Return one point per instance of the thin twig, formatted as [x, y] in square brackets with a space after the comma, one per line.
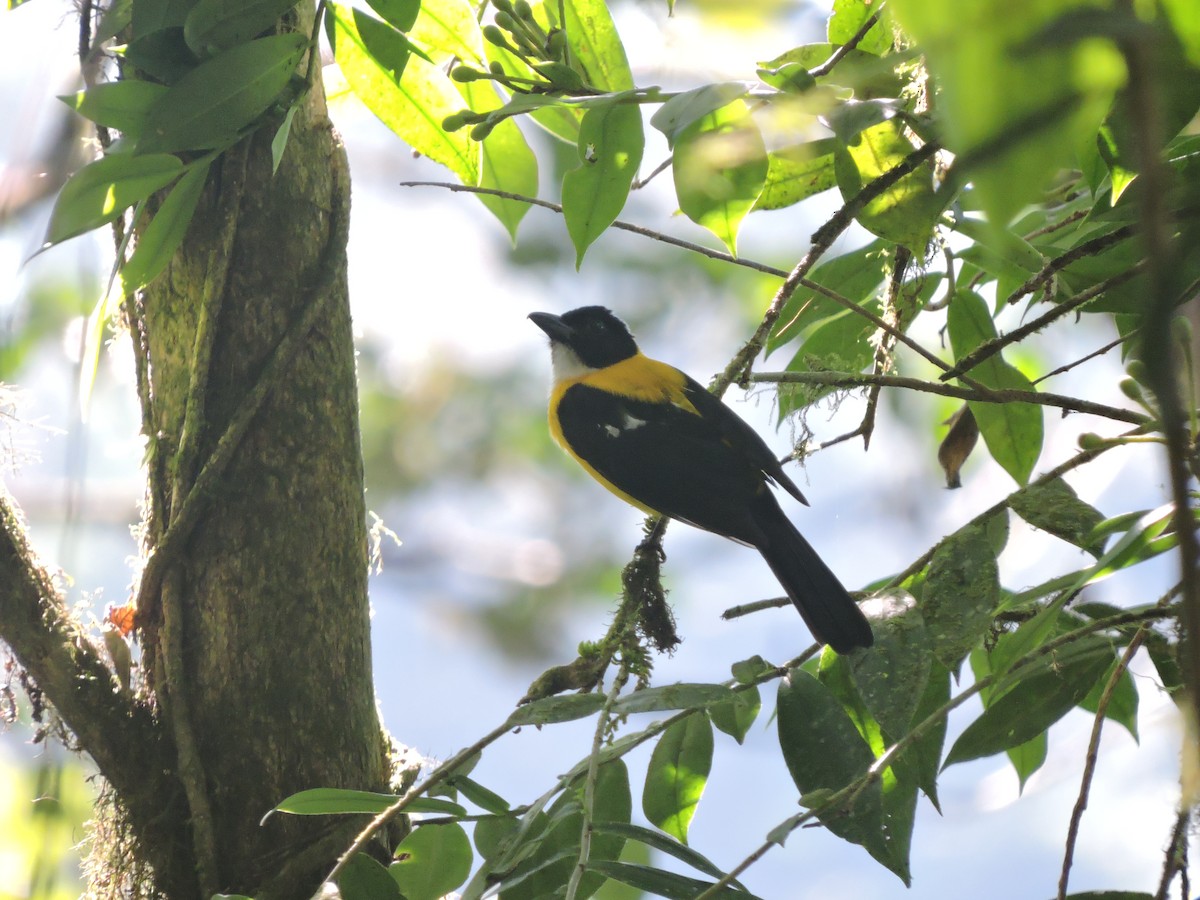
[840, 53]
[640, 183]
[1087, 248]
[1093, 752]
[990, 395]
[1069, 366]
[589, 783]
[1176, 850]
[989, 348]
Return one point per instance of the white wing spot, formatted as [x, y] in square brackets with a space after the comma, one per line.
[613, 430]
[632, 422]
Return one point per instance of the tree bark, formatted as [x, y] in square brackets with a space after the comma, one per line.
[252, 612]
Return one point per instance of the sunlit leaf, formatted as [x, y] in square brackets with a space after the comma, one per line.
[904, 213]
[412, 106]
[507, 163]
[1012, 431]
[104, 189]
[610, 147]
[672, 696]
[682, 110]
[556, 709]
[797, 173]
[677, 774]
[720, 167]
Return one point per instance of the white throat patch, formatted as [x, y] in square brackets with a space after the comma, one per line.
[566, 364]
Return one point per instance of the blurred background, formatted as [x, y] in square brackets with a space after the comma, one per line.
[509, 556]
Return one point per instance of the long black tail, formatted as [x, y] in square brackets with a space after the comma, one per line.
[831, 615]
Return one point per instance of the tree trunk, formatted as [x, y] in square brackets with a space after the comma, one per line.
[252, 612]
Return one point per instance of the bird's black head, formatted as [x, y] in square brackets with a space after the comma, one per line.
[592, 333]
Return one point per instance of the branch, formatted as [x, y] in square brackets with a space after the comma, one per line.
[840, 53]
[1093, 751]
[990, 348]
[1159, 350]
[1087, 248]
[989, 395]
[67, 667]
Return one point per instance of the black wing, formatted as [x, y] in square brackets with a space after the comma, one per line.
[705, 469]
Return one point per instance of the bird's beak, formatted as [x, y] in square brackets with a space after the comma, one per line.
[556, 329]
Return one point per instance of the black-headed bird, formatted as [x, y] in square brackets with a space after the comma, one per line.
[658, 440]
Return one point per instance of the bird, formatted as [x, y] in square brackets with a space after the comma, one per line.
[660, 441]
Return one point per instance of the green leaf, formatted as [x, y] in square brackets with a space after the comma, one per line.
[656, 840]
[850, 15]
[1122, 706]
[163, 55]
[672, 696]
[1012, 431]
[549, 710]
[280, 140]
[1028, 757]
[610, 147]
[549, 867]
[891, 678]
[365, 879]
[824, 752]
[905, 213]
[674, 116]
[796, 173]
[479, 795]
[720, 168]
[961, 593]
[101, 191]
[677, 774]
[924, 757]
[506, 162]
[123, 105]
[432, 861]
[162, 236]
[659, 882]
[340, 801]
[216, 25]
[856, 275]
[1054, 506]
[596, 48]
[1013, 112]
[114, 19]
[494, 835]
[214, 103]
[148, 16]
[1184, 17]
[412, 106]
[1036, 702]
[447, 29]
[737, 715]
[402, 14]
